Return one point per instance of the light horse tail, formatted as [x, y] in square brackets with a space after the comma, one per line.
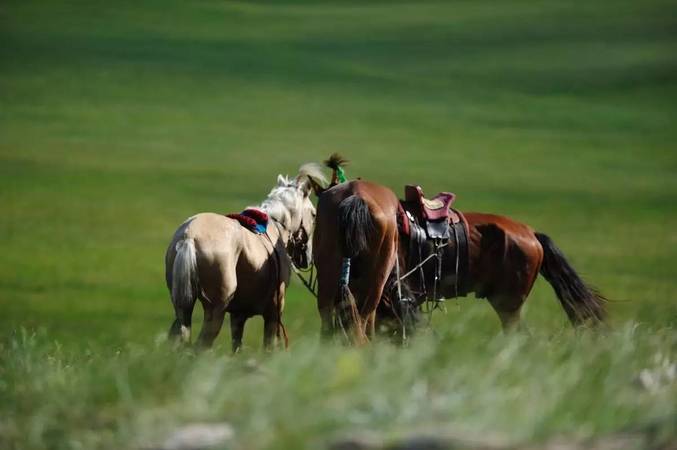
[355, 225]
[582, 303]
[184, 287]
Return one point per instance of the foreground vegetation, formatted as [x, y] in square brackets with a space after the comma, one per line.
[518, 389]
[120, 120]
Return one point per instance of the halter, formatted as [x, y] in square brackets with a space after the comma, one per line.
[299, 242]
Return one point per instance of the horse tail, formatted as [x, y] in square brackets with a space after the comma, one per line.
[581, 302]
[355, 225]
[184, 285]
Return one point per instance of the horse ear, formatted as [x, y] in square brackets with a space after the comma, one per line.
[308, 185]
[281, 181]
[317, 187]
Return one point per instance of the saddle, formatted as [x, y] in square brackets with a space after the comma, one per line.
[427, 221]
[252, 219]
[436, 213]
[433, 209]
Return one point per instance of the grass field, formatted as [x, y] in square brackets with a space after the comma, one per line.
[120, 119]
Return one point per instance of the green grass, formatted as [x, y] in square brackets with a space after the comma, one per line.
[118, 121]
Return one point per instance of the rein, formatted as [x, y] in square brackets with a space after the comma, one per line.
[278, 263]
[436, 255]
[311, 282]
[422, 263]
[298, 243]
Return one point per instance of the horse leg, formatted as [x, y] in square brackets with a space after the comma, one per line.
[326, 325]
[237, 322]
[215, 298]
[213, 320]
[509, 310]
[181, 327]
[328, 280]
[513, 259]
[270, 327]
[382, 266]
[175, 330]
[370, 329]
[368, 313]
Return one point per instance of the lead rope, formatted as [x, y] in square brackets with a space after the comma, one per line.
[344, 281]
[311, 282]
[399, 296]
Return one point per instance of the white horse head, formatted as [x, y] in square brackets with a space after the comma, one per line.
[289, 204]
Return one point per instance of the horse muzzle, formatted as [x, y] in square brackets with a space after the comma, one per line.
[299, 250]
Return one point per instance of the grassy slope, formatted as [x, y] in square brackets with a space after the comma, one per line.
[118, 121]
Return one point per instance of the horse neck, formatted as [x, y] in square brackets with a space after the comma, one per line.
[283, 233]
[281, 216]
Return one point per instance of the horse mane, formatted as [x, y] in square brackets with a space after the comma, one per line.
[280, 201]
[284, 198]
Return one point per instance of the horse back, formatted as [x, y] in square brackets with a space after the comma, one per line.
[497, 246]
[381, 200]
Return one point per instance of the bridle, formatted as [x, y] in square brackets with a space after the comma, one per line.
[298, 241]
[298, 244]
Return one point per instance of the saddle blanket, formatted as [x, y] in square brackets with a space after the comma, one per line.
[252, 219]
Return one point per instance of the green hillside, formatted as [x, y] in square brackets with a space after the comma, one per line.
[118, 120]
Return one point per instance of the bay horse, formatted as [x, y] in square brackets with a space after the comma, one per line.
[231, 269]
[358, 248]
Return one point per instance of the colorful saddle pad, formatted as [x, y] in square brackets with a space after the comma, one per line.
[252, 219]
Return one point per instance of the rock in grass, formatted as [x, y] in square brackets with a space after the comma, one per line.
[198, 436]
[444, 440]
[359, 441]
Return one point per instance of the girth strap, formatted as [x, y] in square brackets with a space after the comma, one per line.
[462, 255]
[457, 238]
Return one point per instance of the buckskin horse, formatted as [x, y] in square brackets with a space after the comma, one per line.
[365, 237]
[240, 264]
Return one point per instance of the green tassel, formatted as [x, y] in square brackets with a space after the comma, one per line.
[340, 175]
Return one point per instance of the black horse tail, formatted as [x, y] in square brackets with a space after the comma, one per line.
[582, 303]
[355, 226]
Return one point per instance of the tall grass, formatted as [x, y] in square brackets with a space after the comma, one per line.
[520, 388]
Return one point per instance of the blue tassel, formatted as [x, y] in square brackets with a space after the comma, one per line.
[345, 272]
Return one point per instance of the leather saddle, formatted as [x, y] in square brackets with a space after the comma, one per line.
[435, 213]
[429, 223]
